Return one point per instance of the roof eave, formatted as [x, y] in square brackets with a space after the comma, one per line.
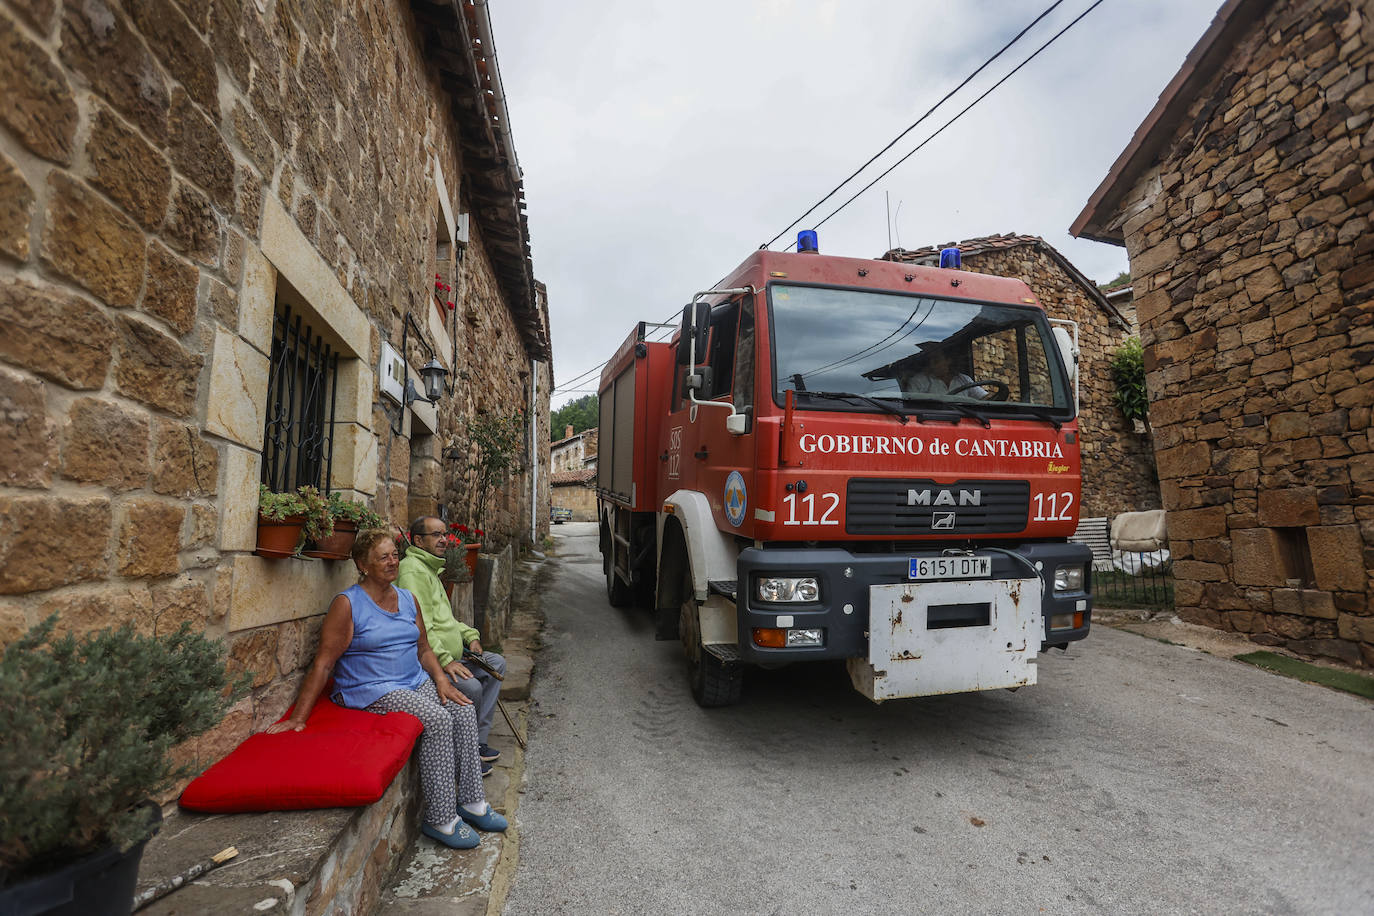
[1097, 220]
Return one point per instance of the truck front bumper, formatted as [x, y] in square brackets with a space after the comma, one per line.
[842, 610]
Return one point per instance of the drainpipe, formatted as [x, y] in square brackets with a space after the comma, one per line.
[534, 458]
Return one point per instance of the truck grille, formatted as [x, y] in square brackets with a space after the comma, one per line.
[915, 506]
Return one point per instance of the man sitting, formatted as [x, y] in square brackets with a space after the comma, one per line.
[448, 636]
[938, 377]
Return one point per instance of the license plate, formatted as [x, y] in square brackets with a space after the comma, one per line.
[950, 568]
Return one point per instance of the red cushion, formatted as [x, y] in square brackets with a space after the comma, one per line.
[343, 757]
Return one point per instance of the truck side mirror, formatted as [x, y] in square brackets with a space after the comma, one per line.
[1067, 351]
[696, 320]
[737, 424]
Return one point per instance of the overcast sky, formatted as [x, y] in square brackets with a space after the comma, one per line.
[663, 142]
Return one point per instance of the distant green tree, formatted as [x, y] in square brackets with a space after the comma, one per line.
[582, 414]
[1123, 277]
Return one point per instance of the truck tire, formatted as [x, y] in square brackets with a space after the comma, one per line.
[714, 682]
[617, 592]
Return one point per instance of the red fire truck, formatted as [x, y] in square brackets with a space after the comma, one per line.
[838, 458]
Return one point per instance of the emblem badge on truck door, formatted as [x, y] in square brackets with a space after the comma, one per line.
[941, 521]
[736, 498]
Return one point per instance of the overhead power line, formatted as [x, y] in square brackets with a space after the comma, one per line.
[964, 111]
[895, 140]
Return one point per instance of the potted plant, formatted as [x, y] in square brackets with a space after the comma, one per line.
[88, 724]
[281, 522]
[468, 540]
[456, 566]
[344, 515]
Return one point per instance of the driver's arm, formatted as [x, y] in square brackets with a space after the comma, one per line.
[977, 391]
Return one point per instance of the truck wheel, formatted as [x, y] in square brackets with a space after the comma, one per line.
[714, 681]
[617, 592]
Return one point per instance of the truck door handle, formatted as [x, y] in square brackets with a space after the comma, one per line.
[700, 453]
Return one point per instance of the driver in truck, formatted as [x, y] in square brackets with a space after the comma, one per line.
[937, 376]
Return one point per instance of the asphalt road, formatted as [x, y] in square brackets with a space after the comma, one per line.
[1136, 777]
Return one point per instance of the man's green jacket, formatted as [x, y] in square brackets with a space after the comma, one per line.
[448, 636]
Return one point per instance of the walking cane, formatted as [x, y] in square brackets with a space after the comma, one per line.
[470, 656]
[158, 891]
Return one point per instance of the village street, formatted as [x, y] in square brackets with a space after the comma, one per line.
[1136, 777]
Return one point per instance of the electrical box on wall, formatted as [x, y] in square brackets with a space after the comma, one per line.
[460, 231]
[391, 374]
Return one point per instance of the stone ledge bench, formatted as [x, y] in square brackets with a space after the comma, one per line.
[303, 863]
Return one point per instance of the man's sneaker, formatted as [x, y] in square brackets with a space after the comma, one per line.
[486, 769]
[487, 753]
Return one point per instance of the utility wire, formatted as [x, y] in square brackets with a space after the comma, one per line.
[564, 388]
[981, 67]
[965, 110]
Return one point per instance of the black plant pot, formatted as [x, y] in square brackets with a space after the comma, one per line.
[101, 884]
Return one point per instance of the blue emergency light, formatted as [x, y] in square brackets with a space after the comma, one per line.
[807, 243]
[950, 258]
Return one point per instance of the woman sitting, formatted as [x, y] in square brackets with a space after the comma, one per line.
[373, 643]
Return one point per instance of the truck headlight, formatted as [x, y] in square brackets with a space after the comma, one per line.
[779, 589]
[1068, 579]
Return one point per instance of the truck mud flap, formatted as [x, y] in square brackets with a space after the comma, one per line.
[929, 638]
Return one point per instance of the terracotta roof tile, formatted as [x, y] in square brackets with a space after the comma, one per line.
[563, 478]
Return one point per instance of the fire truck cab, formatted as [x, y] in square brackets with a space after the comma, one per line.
[838, 458]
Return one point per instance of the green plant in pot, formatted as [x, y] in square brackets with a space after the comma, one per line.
[348, 516]
[281, 523]
[88, 724]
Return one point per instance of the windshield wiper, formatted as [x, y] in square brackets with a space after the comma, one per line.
[957, 406]
[1042, 415]
[850, 396]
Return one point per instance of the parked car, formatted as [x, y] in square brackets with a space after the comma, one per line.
[560, 514]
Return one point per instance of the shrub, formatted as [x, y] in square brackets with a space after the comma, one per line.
[1128, 371]
[88, 724]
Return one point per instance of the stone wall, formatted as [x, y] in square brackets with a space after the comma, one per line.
[1118, 463]
[170, 173]
[579, 497]
[1253, 267]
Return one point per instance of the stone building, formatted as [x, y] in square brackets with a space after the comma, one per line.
[1118, 464]
[572, 461]
[216, 226]
[1244, 202]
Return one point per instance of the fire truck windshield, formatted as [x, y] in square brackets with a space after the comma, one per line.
[914, 351]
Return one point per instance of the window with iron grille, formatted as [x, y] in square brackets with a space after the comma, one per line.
[302, 381]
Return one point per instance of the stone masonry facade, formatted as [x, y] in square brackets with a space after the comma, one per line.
[174, 172]
[1118, 463]
[1253, 266]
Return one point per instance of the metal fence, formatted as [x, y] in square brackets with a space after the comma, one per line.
[1125, 579]
[1149, 586]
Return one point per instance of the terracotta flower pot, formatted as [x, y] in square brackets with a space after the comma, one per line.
[278, 540]
[471, 559]
[337, 546]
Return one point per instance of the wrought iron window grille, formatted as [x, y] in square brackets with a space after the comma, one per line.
[302, 385]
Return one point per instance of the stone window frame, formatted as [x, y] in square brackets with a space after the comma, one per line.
[263, 591]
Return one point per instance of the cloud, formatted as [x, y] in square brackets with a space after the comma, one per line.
[662, 142]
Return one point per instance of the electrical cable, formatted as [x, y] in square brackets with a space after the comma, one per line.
[980, 98]
[981, 67]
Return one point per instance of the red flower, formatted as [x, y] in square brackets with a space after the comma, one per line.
[454, 526]
[480, 533]
[462, 528]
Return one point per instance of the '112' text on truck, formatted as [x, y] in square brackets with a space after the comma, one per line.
[838, 458]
